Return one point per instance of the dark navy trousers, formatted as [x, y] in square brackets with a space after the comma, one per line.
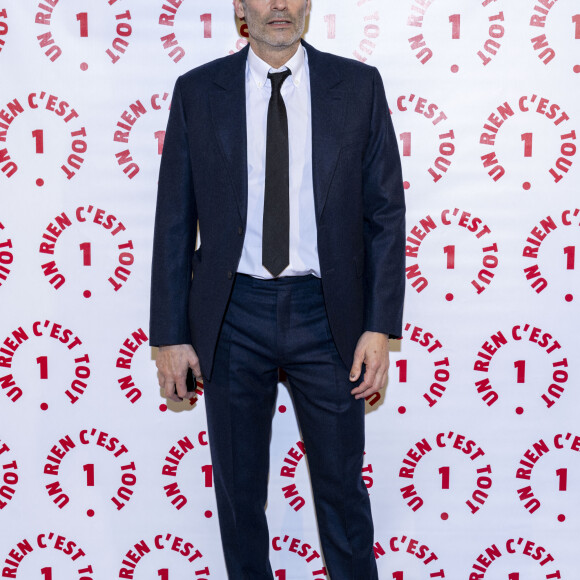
[283, 323]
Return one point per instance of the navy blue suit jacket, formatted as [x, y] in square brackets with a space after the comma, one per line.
[359, 203]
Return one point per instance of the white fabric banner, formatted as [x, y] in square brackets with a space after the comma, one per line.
[472, 459]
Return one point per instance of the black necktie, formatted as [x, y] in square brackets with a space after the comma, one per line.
[276, 227]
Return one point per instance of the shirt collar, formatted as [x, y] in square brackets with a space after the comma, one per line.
[259, 69]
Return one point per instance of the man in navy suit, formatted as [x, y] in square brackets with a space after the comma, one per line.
[283, 132]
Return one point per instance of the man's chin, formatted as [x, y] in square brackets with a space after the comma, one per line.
[283, 42]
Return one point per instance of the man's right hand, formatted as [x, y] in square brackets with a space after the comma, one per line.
[173, 361]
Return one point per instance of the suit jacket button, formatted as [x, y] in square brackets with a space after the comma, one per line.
[230, 275]
[240, 230]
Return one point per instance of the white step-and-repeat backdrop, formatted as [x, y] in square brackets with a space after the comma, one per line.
[472, 461]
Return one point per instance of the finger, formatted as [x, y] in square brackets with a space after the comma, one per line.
[161, 375]
[372, 382]
[378, 384]
[364, 385]
[362, 391]
[181, 386]
[161, 380]
[196, 369]
[356, 365]
[366, 391]
[169, 391]
[370, 374]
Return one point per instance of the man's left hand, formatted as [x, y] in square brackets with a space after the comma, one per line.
[372, 349]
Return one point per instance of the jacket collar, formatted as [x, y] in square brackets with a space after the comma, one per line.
[328, 106]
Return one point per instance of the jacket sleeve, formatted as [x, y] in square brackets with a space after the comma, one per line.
[384, 221]
[175, 234]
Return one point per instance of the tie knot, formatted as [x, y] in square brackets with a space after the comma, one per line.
[277, 79]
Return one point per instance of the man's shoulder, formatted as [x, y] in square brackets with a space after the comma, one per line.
[344, 64]
[235, 63]
[212, 69]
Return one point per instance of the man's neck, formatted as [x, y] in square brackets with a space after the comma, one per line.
[276, 58]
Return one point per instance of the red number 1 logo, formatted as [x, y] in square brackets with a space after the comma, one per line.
[330, 20]
[160, 136]
[38, 137]
[527, 138]
[455, 20]
[520, 366]
[562, 475]
[207, 471]
[576, 21]
[86, 250]
[570, 252]
[89, 469]
[206, 19]
[83, 18]
[401, 364]
[449, 251]
[43, 364]
[406, 139]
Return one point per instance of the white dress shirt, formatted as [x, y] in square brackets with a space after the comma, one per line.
[296, 95]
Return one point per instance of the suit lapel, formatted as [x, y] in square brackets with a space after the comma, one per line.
[328, 106]
[228, 107]
[328, 98]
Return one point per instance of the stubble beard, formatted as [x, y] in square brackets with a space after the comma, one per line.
[261, 34]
